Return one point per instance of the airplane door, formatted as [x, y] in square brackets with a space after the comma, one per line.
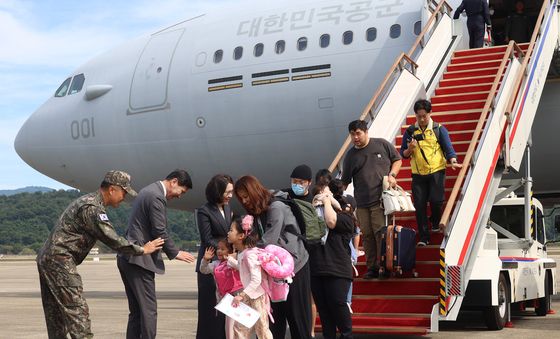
[148, 90]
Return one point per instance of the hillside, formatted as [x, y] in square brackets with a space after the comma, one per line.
[28, 189]
[27, 218]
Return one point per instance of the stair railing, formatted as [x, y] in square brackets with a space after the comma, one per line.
[403, 61]
[488, 105]
[522, 75]
[512, 47]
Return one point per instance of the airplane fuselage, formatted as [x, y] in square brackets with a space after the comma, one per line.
[173, 104]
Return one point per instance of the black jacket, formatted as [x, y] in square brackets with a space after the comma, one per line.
[212, 227]
[474, 8]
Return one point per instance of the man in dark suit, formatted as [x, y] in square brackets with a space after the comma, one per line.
[477, 15]
[148, 219]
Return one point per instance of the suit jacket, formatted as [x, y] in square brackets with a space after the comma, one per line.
[148, 220]
[212, 226]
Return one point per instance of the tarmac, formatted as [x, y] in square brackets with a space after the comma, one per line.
[21, 312]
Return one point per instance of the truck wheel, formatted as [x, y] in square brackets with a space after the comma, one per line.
[495, 317]
[544, 302]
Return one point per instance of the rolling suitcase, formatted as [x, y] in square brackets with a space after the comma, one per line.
[398, 250]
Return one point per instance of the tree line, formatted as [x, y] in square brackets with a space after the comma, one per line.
[26, 220]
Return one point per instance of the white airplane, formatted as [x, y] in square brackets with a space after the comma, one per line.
[251, 91]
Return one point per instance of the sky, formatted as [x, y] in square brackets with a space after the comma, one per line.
[43, 41]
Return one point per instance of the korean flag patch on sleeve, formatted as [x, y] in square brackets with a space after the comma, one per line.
[103, 217]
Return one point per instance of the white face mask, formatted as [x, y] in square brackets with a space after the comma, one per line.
[491, 11]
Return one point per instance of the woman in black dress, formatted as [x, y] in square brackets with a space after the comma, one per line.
[213, 220]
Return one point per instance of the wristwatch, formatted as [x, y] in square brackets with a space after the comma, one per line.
[393, 175]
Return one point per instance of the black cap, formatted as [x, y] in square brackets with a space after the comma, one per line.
[302, 172]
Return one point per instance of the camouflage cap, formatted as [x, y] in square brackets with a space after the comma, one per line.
[121, 179]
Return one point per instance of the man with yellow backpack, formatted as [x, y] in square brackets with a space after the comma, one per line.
[428, 146]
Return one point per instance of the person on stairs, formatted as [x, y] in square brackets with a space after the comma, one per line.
[428, 146]
[518, 25]
[477, 15]
[366, 164]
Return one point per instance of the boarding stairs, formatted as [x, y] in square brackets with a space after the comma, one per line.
[487, 99]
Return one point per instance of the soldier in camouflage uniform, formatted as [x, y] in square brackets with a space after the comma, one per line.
[83, 223]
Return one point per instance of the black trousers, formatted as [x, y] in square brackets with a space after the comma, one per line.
[140, 288]
[475, 25]
[211, 323]
[330, 295]
[428, 188]
[296, 310]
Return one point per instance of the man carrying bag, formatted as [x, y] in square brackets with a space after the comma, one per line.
[428, 145]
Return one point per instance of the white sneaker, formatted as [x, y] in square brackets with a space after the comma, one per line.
[421, 244]
[350, 308]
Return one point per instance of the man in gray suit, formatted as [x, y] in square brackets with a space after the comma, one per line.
[148, 220]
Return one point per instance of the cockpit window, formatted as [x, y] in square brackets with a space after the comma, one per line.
[77, 84]
[61, 91]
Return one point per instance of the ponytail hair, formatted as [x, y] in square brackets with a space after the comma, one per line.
[246, 225]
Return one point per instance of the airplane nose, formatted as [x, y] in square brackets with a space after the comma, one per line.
[43, 143]
[38, 141]
[21, 143]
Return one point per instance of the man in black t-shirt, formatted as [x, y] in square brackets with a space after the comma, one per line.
[366, 164]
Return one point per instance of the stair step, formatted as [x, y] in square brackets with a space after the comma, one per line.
[425, 269]
[384, 330]
[462, 89]
[423, 253]
[461, 105]
[438, 99]
[486, 50]
[369, 319]
[427, 253]
[394, 304]
[467, 81]
[470, 73]
[398, 286]
[474, 58]
[474, 65]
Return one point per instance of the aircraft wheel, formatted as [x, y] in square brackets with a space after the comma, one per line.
[496, 317]
[544, 302]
